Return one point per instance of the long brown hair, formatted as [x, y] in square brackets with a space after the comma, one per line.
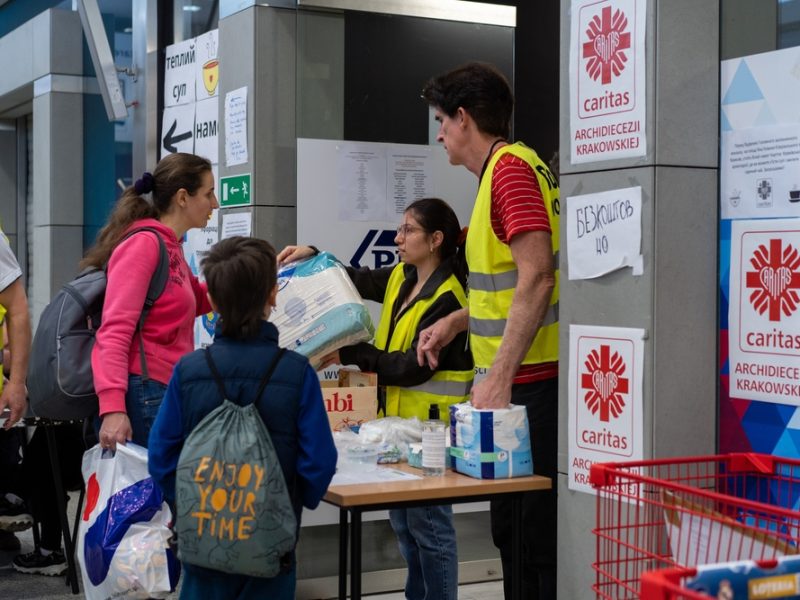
[173, 172]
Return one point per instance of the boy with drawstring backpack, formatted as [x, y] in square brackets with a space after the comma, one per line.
[231, 413]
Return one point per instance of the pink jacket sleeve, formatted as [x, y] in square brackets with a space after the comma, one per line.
[129, 272]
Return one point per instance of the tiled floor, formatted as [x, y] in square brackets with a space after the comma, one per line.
[492, 590]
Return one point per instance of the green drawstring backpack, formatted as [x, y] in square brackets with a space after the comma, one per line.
[233, 511]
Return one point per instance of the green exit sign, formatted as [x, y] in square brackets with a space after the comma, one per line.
[235, 190]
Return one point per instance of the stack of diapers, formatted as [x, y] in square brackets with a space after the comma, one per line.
[318, 308]
[490, 444]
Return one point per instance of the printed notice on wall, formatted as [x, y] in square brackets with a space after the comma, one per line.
[760, 172]
[607, 80]
[605, 405]
[764, 311]
[236, 127]
[409, 177]
[239, 223]
[604, 233]
[362, 183]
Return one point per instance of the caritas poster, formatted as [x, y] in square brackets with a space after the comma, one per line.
[607, 80]
[764, 311]
[605, 415]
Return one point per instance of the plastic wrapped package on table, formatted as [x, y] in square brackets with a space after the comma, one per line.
[318, 308]
[490, 444]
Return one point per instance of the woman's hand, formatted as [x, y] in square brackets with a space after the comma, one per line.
[116, 429]
[295, 253]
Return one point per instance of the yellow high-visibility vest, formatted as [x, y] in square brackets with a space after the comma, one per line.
[444, 387]
[493, 273]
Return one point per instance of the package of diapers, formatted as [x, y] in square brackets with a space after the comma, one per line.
[490, 444]
[318, 308]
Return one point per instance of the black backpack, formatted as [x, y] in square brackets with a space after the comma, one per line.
[60, 382]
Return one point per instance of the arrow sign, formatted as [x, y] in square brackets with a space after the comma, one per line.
[170, 140]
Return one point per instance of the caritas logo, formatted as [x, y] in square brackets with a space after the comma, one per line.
[605, 387]
[608, 39]
[774, 281]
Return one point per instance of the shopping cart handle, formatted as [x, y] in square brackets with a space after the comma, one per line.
[751, 461]
[664, 584]
[602, 474]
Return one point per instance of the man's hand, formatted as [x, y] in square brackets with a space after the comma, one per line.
[294, 253]
[116, 429]
[15, 397]
[432, 339]
[489, 393]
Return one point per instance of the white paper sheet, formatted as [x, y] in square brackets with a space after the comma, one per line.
[240, 223]
[236, 127]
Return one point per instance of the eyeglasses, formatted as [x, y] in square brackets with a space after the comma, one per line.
[404, 229]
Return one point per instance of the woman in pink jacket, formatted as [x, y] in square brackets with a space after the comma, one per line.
[182, 191]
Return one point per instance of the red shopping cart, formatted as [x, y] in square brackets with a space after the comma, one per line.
[678, 513]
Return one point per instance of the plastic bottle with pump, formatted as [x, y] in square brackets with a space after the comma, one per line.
[433, 443]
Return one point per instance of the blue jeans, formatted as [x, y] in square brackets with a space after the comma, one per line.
[142, 403]
[427, 541]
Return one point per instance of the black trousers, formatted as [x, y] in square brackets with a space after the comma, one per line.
[539, 509]
[39, 487]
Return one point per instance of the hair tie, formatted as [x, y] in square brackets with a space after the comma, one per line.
[462, 237]
[145, 184]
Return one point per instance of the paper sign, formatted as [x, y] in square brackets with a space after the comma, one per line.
[207, 65]
[604, 233]
[233, 224]
[179, 73]
[177, 130]
[362, 183]
[409, 177]
[760, 136]
[206, 140]
[764, 311]
[605, 403]
[607, 80]
[236, 127]
[761, 172]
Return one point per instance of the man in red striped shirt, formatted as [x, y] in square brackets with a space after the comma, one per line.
[512, 314]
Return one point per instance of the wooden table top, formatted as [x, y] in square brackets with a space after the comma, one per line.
[450, 485]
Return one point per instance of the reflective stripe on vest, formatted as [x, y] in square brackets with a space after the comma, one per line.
[444, 387]
[493, 273]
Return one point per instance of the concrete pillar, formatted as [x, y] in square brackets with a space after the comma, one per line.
[42, 63]
[257, 50]
[675, 299]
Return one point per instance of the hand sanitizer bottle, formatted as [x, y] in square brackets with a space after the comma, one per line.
[433, 443]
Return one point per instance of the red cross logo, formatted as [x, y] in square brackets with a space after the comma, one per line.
[605, 383]
[775, 279]
[607, 40]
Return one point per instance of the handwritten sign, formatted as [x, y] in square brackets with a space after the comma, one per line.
[604, 233]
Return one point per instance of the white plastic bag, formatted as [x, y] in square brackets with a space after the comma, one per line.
[123, 535]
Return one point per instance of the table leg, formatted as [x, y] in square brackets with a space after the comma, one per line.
[61, 501]
[355, 554]
[516, 547]
[342, 554]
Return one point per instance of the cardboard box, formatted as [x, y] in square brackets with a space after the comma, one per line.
[352, 400]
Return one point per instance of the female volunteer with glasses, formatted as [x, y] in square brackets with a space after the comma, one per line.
[428, 284]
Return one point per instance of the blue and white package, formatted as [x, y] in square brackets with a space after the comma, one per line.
[490, 444]
[749, 580]
[318, 309]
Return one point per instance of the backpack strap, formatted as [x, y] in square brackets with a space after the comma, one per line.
[264, 379]
[158, 281]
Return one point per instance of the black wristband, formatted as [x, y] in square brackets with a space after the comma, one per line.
[315, 249]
